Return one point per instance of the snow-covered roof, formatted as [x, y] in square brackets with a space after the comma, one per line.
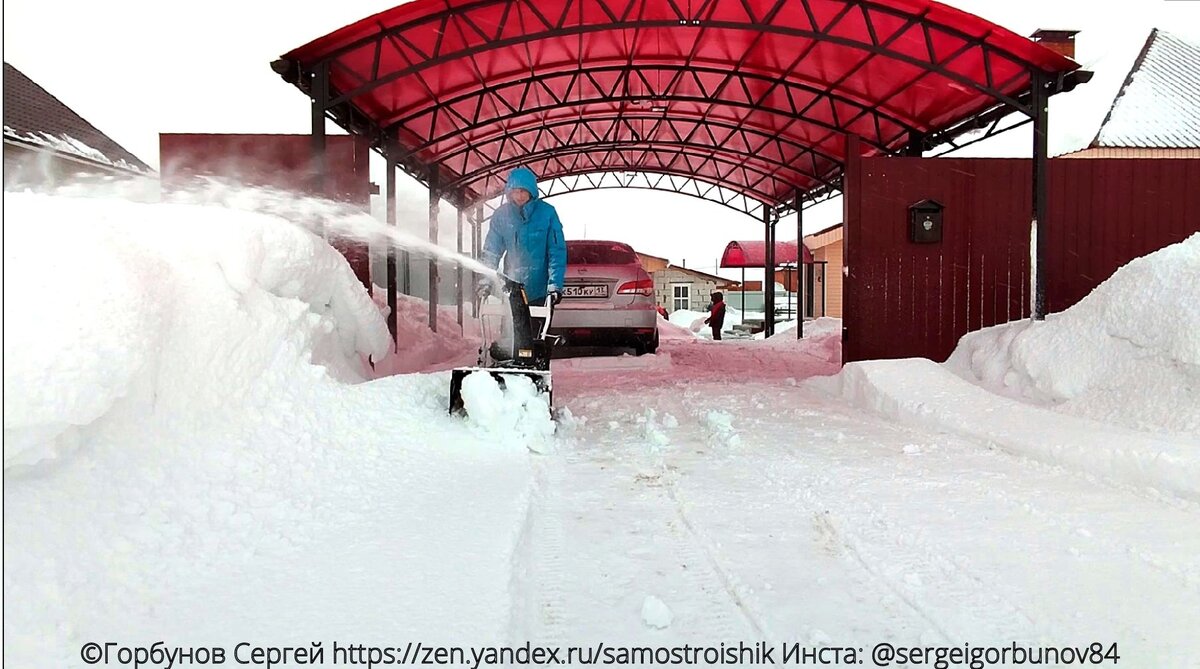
[34, 117]
[1159, 104]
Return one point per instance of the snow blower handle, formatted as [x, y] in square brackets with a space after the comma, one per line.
[545, 313]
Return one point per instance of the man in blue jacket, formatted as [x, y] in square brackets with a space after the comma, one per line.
[527, 233]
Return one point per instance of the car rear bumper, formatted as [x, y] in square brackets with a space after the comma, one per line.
[567, 318]
[601, 327]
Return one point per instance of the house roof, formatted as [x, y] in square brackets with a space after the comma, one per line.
[1158, 106]
[34, 117]
[703, 275]
[829, 228]
[651, 255]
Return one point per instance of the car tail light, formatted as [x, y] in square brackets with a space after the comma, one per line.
[639, 287]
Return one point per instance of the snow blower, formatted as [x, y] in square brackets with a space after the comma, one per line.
[527, 354]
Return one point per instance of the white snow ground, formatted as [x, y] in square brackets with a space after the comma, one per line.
[195, 464]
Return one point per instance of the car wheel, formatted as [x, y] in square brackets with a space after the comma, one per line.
[642, 347]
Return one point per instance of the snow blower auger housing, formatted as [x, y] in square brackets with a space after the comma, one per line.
[526, 354]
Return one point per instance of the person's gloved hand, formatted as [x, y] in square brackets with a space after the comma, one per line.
[554, 297]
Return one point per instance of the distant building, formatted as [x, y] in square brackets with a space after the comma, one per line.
[677, 287]
[826, 247]
[1156, 113]
[45, 140]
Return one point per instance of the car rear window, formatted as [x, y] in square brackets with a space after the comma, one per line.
[600, 254]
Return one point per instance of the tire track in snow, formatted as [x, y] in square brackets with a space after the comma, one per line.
[957, 585]
[539, 574]
[727, 580]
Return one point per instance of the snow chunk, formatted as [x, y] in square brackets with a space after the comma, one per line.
[655, 613]
[515, 414]
[720, 428]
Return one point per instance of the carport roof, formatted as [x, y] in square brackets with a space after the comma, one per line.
[755, 96]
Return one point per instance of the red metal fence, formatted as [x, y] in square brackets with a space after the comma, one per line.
[916, 300]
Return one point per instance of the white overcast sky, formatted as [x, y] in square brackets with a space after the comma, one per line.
[135, 68]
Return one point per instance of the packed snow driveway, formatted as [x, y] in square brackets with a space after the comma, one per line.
[207, 465]
[770, 511]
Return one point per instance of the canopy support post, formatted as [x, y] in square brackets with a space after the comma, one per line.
[769, 274]
[390, 197]
[801, 302]
[476, 253]
[434, 197]
[320, 101]
[1041, 119]
[459, 279]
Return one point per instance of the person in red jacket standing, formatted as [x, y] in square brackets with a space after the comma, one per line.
[716, 315]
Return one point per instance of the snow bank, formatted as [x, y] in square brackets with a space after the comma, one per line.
[1110, 387]
[182, 444]
[122, 308]
[1128, 353]
[818, 327]
[668, 329]
[921, 392]
[692, 321]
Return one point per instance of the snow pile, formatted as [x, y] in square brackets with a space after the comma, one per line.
[182, 445]
[692, 321]
[822, 338]
[668, 329]
[1128, 353]
[819, 327]
[123, 319]
[420, 349]
[1123, 364]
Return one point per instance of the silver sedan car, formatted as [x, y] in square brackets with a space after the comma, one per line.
[608, 299]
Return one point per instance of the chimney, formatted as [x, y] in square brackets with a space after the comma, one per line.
[1060, 41]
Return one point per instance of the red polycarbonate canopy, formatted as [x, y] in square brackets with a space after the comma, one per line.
[756, 96]
[753, 253]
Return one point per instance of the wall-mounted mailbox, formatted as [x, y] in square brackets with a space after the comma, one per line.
[925, 222]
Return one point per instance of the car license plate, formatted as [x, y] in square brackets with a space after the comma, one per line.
[585, 291]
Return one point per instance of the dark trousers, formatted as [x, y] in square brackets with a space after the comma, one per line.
[716, 333]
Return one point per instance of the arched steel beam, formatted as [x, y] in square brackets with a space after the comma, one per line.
[765, 138]
[732, 161]
[793, 113]
[533, 112]
[795, 87]
[668, 182]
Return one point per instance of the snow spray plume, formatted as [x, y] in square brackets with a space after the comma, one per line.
[323, 217]
[320, 216]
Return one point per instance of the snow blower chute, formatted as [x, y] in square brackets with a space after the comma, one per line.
[527, 354]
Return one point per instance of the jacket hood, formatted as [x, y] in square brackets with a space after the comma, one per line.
[523, 178]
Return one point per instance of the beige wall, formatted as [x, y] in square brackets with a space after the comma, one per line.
[827, 247]
[664, 293]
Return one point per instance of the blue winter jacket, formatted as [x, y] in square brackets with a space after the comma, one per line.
[529, 238]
